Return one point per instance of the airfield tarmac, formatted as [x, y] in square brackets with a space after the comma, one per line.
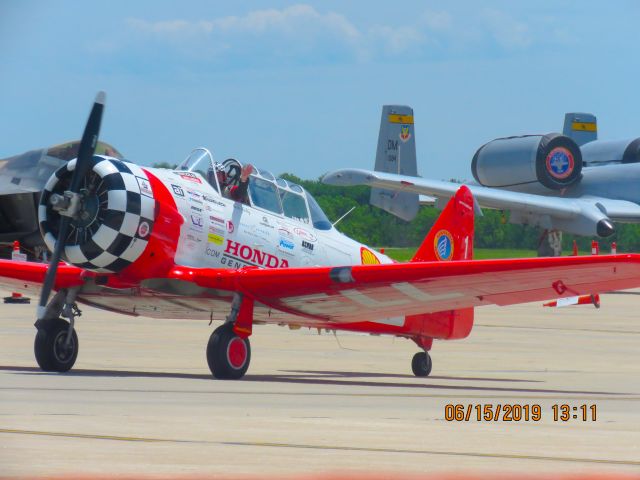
[140, 399]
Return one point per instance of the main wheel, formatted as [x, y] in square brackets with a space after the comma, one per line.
[51, 349]
[421, 364]
[228, 355]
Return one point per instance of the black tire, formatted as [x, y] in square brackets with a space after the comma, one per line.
[52, 353]
[421, 364]
[228, 355]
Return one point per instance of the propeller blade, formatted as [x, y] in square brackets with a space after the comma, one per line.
[50, 277]
[88, 143]
[83, 162]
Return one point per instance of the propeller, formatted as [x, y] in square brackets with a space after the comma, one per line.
[69, 204]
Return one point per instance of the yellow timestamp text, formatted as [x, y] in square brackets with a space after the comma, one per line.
[516, 412]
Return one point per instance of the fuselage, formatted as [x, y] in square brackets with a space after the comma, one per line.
[218, 232]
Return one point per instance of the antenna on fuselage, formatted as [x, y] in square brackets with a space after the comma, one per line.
[343, 216]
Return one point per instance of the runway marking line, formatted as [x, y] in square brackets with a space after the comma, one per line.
[622, 397]
[87, 436]
[325, 447]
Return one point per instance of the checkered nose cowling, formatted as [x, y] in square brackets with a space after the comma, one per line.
[115, 220]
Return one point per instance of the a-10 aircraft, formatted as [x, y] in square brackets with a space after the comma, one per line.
[570, 182]
[171, 244]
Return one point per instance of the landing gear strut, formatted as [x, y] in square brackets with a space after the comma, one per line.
[421, 364]
[56, 343]
[229, 350]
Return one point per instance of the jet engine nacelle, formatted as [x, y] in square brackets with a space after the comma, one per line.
[116, 218]
[601, 152]
[554, 160]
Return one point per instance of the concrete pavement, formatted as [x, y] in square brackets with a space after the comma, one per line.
[140, 399]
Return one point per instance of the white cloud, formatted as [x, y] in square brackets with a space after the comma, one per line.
[508, 32]
[437, 21]
[302, 34]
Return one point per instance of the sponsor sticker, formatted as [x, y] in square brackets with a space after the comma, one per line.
[215, 201]
[304, 234]
[217, 220]
[367, 257]
[286, 244]
[307, 245]
[195, 197]
[145, 187]
[230, 226]
[560, 163]
[177, 190]
[196, 221]
[214, 238]
[196, 209]
[190, 177]
[443, 245]
[285, 232]
[143, 229]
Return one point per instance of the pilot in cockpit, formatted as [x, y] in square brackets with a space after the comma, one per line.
[233, 185]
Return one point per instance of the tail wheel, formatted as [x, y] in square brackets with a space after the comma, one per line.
[421, 364]
[52, 352]
[228, 355]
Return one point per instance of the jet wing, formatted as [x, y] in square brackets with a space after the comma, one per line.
[583, 216]
[374, 292]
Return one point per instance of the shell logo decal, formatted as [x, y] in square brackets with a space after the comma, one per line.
[443, 245]
[367, 257]
[560, 163]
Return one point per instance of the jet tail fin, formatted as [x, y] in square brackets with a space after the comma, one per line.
[581, 127]
[396, 153]
[451, 237]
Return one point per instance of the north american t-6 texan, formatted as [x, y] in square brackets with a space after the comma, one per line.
[561, 182]
[230, 243]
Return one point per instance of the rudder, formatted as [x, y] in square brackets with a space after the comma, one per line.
[580, 127]
[451, 237]
[396, 153]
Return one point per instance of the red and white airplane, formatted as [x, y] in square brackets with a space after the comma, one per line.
[170, 244]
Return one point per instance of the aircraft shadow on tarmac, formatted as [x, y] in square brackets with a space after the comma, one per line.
[311, 377]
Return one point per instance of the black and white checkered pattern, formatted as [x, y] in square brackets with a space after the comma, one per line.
[124, 222]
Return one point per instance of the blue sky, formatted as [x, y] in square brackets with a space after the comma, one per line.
[298, 87]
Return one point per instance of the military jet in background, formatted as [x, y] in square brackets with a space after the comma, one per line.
[22, 178]
[570, 182]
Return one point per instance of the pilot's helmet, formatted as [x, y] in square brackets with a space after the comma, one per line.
[221, 174]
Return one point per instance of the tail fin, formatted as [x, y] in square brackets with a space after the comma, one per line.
[396, 153]
[581, 127]
[451, 237]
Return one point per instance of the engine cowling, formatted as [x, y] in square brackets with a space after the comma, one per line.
[601, 152]
[554, 160]
[116, 218]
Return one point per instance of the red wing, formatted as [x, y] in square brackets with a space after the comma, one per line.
[14, 274]
[370, 292]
